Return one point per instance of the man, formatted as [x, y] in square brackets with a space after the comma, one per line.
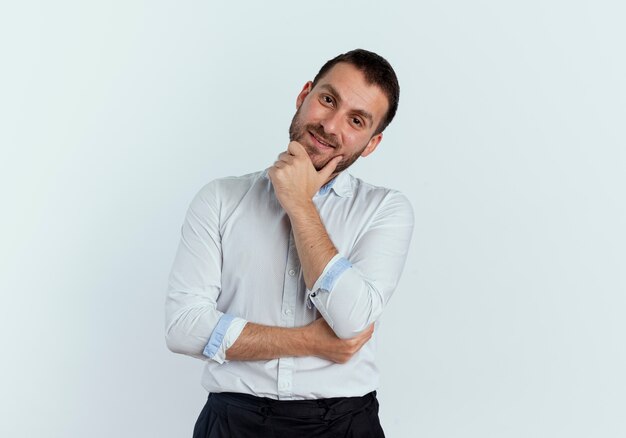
[280, 275]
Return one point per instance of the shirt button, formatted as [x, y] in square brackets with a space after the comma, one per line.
[287, 311]
[292, 272]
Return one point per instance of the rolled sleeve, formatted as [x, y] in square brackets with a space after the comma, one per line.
[333, 270]
[223, 337]
[331, 273]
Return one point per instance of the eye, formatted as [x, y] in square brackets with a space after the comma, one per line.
[357, 122]
[327, 100]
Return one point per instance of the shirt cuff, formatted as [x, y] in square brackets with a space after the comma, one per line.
[224, 335]
[331, 273]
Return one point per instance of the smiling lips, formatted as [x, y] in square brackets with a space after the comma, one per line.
[321, 142]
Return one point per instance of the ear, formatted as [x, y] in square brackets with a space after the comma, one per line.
[304, 93]
[372, 145]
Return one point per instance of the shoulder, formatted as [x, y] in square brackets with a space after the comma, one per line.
[231, 187]
[362, 189]
[387, 202]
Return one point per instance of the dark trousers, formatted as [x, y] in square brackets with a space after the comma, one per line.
[231, 415]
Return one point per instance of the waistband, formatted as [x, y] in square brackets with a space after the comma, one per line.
[327, 408]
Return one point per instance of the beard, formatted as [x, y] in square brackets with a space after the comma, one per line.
[300, 132]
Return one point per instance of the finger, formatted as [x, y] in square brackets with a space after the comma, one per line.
[362, 337]
[286, 158]
[279, 164]
[296, 149]
[368, 332]
[370, 329]
[330, 167]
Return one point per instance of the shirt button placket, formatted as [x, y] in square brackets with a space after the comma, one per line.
[290, 293]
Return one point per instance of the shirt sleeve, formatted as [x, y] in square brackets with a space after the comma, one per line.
[224, 335]
[192, 319]
[354, 288]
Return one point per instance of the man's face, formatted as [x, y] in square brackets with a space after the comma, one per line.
[338, 117]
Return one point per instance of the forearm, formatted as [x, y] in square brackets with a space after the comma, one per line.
[315, 249]
[261, 342]
[356, 287]
[356, 306]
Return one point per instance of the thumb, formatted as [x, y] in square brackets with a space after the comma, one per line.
[330, 167]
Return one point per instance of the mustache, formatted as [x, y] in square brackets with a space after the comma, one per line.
[330, 139]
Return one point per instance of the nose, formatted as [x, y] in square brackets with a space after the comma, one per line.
[332, 123]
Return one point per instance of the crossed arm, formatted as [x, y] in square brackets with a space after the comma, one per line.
[260, 342]
[348, 322]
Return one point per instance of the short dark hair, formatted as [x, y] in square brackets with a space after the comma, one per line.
[377, 71]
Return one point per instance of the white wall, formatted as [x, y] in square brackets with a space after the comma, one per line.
[509, 141]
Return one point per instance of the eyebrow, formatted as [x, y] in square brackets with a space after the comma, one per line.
[335, 93]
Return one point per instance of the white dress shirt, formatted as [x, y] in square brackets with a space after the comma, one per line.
[237, 262]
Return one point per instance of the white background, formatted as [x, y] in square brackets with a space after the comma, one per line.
[509, 142]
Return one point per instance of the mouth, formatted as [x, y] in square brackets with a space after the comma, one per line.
[321, 143]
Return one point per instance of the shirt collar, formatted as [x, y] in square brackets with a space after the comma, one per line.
[341, 185]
